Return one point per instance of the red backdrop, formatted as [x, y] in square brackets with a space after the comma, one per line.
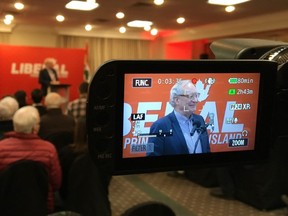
[20, 65]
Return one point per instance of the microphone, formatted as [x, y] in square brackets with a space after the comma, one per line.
[196, 125]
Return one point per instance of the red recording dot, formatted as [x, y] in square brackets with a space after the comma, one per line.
[194, 80]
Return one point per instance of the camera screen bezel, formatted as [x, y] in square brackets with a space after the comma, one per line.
[118, 69]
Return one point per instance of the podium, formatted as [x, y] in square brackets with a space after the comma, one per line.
[63, 90]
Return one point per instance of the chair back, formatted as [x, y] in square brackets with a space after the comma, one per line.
[24, 189]
[150, 208]
[88, 188]
[60, 139]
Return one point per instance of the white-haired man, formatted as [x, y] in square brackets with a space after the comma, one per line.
[48, 75]
[55, 121]
[24, 143]
[182, 122]
[11, 103]
[8, 106]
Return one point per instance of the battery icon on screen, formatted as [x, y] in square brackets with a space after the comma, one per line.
[232, 80]
[232, 91]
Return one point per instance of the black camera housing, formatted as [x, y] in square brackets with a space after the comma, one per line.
[107, 95]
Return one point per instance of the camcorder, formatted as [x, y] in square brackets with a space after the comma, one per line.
[240, 94]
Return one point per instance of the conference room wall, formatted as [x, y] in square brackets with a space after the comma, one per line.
[159, 48]
[25, 35]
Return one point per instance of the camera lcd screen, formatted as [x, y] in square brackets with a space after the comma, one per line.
[136, 125]
[228, 102]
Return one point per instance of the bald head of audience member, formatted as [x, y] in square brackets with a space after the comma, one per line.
[53, 100]
[11, 106]
[26, 120]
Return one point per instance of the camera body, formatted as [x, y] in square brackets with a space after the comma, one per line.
[277, 51]
[126, 97]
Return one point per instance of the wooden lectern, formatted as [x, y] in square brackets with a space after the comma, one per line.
[62, 89]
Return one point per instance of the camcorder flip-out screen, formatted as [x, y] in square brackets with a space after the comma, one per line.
[146, 116]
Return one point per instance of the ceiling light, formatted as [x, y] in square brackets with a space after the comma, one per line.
[139, 23]
[9, 17]
[60, 18]
[180, 20]
[120, 15]
[122, 29]
[7, 21]
[147, 28]
[226, 2]
[158, 2]
[88, 27]
[230, 8]
[19, 6]
[82, 5]
[154, 31]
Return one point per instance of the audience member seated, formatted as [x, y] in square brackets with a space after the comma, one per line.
[37, 97]
[85, 186]
[11, 102]
[54, 121]
[8, 106]
[6, 123]
[21, 97]
[77, 108]
[24, 143]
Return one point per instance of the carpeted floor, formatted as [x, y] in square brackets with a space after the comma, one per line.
[183, 196]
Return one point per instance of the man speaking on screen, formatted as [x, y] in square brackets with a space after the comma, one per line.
[182, 131]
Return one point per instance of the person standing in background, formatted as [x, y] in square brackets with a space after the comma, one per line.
[48, 75]
[77, 107]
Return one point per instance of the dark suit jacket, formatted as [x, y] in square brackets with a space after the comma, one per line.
[176, 143]
[55, 121]
[44, 79]
[41, 109]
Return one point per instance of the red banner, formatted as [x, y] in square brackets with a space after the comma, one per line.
[20, 66]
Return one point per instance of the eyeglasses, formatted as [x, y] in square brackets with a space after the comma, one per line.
[191, 96]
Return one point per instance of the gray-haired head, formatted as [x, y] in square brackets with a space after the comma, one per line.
[178, 89]
[53, 100]
[11, 104]
[26, 119]
[50, 62]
